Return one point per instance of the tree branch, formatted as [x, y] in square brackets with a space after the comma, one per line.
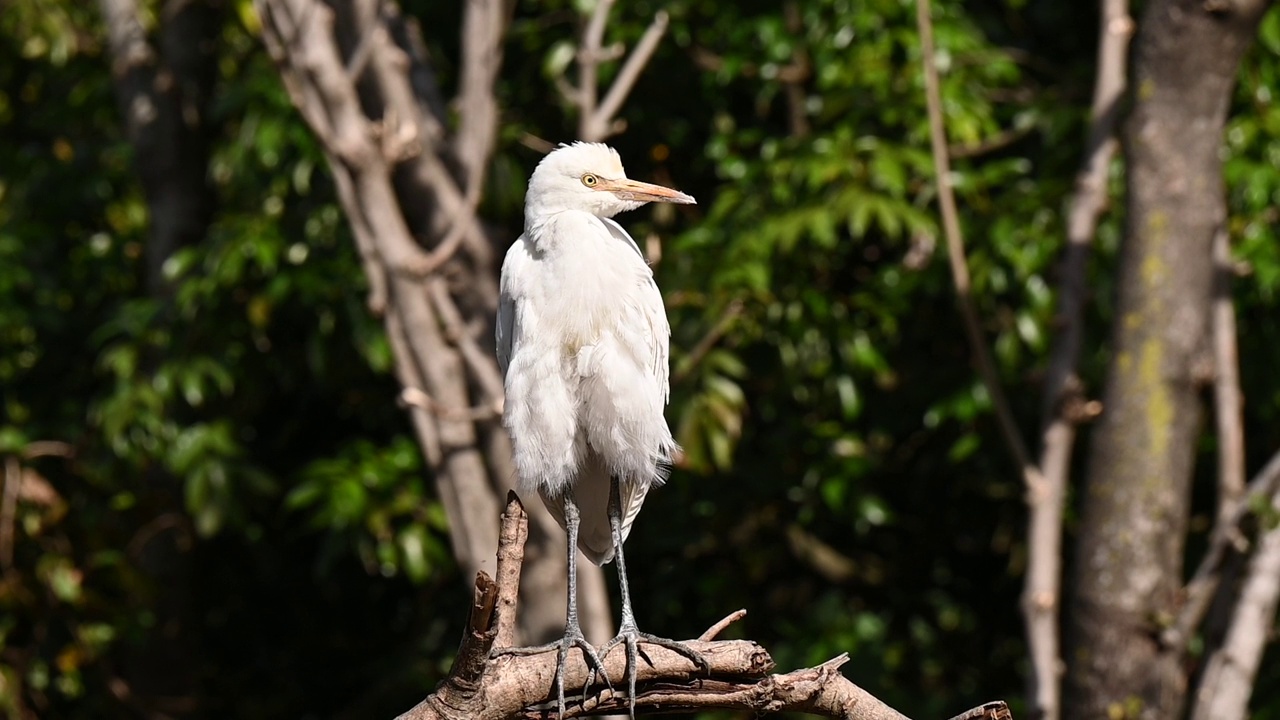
[1063, 392]
[1229, 674]
[482, 686]
[1199, 592]
[596, 120]
[483, 26]
[602, 122]
[959, 265]
[1228, 402]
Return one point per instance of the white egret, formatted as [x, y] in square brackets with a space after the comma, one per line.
[582, 340]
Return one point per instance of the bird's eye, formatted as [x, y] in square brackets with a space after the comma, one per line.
[590, 180]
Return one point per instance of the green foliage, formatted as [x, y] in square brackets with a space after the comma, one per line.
[842, 477]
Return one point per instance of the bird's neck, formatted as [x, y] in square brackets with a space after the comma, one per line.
[539, 226]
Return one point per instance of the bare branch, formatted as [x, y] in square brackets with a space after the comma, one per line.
[589, 59]
[482, 28]
[596, 122]
[602, 122]
[300, 36]
[482, 686]
[1228, 402]
[1199, 592]
[482, 367]
[1063, 393]
[1232, 668]
[711, 632]
[959, 265]
[416, 397]
[514, 534]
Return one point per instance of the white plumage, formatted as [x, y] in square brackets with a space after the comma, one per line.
[582, 341]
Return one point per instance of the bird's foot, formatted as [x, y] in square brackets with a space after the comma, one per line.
[631, 637]
[573, 637]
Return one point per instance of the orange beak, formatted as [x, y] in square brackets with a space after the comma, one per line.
[645, 192]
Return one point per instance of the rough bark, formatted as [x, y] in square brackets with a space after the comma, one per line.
[1137, 494]
[487, 685]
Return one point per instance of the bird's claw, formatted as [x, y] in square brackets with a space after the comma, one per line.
[573, 637]
[631, 637]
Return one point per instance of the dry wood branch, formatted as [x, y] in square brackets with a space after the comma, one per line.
[1228, 401]
[596, 121]
[1199, 592]
[485, 686]
[1063, 392]
[483, 26]
[416, 397]
[300, 35]
[1232, 667]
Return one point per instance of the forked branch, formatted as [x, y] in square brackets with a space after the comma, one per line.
[484, 687]
[596, 121]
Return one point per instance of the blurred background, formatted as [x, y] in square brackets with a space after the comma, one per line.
[218, 503]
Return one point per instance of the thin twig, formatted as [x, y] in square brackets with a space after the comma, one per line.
[724, 622]
[595, 117]
[589, 58]
[1227, 400]
[415, 397]
[959, 265]
[603, 124]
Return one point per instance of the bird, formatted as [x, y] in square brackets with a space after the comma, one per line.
[583, 343]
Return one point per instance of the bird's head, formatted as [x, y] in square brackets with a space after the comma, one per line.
[589, 177]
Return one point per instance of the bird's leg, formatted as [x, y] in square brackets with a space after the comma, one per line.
[573, 636]
[628, 634]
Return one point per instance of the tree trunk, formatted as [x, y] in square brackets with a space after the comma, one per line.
[163, 93]
[1137, 494]
[163, 88]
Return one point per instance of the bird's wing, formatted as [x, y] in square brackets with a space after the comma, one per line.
[655, 313]
[507, 329]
